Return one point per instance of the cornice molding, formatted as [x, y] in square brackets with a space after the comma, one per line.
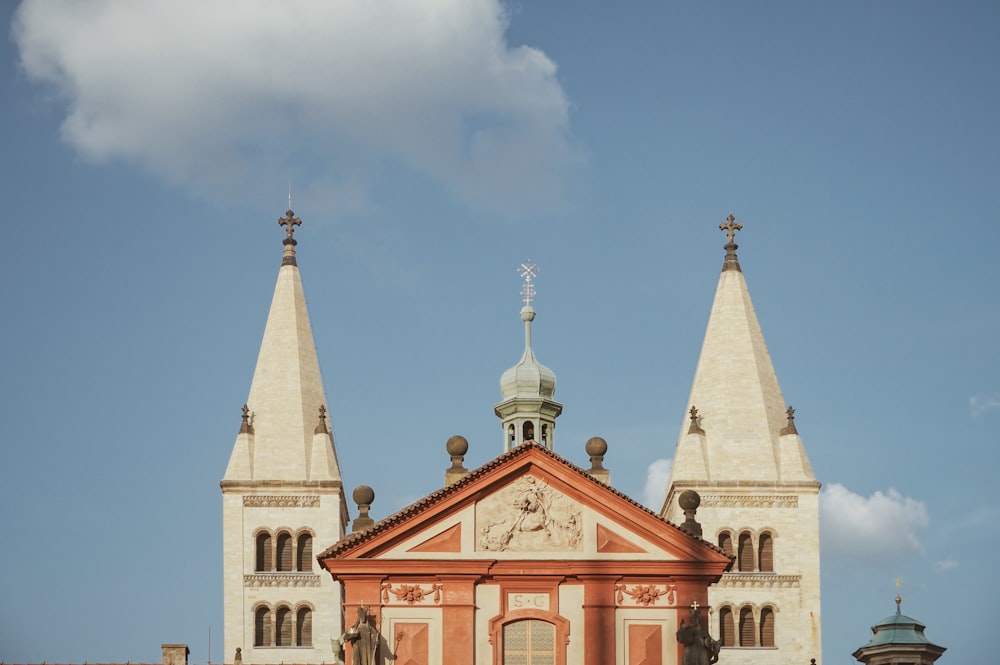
[749, 501]
[281, 501]
[759, 581]
[281, 580]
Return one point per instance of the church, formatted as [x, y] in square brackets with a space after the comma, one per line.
[528, 559]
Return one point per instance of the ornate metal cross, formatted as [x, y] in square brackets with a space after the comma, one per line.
[731, 227]
[289, 221]
[528, 271]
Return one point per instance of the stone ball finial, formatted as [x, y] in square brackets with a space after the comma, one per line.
[689, 500]
[596, 446]
[363, 495]
[457, 446]
[527, 313]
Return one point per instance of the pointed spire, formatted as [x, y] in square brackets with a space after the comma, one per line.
[287, 390]
[740, 406]
[528, 411]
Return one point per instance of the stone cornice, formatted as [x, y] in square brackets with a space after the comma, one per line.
[248, 486]
[281, 580]
[729, 485]
[281, 501]
[749, 501]
[759, 581]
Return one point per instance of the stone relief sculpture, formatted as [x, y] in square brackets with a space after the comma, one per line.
[528, 516]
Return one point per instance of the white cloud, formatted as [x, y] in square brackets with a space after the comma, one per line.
[243, 94]
[980, 404]
[655, 490]
[946, 565]
[876, 530]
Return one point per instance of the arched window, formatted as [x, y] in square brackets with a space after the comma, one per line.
[303, 627]
[304, 555]
[726, 542]
[510, 434]
[767, 627]
[529, 642]
[766, 553]
[283, 627]
[747, 629]
[727, 627]
[744, 559]
[545, 433]
[284, 551]
[265, 555]
[262, 627]
[528, 431]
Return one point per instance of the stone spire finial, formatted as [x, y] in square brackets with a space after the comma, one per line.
[289, 221]
[689, 501]
[456, 446]
[321, 427]
[597, 448]
[363, 496]
[731, 226]
[695, 427]
[245, 426]
[789, 427]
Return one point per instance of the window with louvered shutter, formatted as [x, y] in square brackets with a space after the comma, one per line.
[745, 557]
[283, 627]
[284, 552]
[264, 553]
[305, 553]
[727, 627]
[303, 628]
[747, 629]
[262, 627]
[767, 627]
[726, 542]
[766, 553]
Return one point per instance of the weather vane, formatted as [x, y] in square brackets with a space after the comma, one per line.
[528, 271]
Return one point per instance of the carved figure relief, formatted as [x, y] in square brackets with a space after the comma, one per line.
[528, 516]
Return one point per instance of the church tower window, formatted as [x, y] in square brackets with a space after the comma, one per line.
[748, 631]
[745, 557]
[303, 627]
[767, 627]
[766, 557]
[283, 627]
[262, 627]
[284, 552]
[265, 553]
[304, 555]
[727, 628]
[726, 542]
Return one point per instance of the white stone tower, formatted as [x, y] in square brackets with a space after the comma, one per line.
[740, 451]
[528, 412]
[282, 495]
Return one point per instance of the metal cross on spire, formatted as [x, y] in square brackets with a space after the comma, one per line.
[290, 221]
[528, 271]
[731, 227]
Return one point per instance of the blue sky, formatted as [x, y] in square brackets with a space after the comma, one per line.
[431, 148]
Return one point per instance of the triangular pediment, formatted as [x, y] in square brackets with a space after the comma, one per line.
[528, 504]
